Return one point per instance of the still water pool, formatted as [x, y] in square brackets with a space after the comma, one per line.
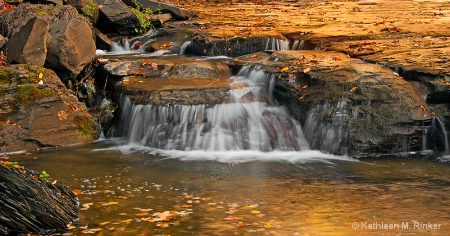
[138, 193]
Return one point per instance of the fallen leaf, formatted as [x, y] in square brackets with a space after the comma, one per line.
[62, 115]
[285, 69]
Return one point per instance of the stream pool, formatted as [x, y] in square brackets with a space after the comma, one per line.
[137, 193]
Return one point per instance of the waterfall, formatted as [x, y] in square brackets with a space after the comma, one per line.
[250, 121]
[326, 136]
[183, 47]
[439, 135]
[276, 44]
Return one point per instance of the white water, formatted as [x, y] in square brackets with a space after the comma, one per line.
[441, 133]
[250, 125]
[326, 136]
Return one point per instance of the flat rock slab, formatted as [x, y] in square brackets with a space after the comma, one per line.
[170, 80]
[324, 19]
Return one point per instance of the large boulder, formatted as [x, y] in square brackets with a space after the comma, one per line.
[29, 45]
[37, 110]
[32, 203]
[347, 106]
[12, 21]
[70, 49]
[116, 17]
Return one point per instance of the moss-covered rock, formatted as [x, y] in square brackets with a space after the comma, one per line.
[37, 110]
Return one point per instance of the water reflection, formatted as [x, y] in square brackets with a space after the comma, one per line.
[138, 193]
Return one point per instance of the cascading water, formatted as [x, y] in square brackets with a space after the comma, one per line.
[324, 136]
[250, 121]
[439, 136]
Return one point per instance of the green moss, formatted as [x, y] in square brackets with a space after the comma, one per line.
[144, 17]
[89, 9]
[28, 95]
[86, 125]
[6, 76]
[39, 11]
[33, 75]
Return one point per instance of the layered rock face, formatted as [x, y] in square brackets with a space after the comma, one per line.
[37, 110]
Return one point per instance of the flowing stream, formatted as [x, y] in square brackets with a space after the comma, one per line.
[136, 193]
[243, 167]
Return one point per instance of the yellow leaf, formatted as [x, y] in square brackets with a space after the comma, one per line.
[40, 75]
[285, 69]
[142, 214]
[256, 212]
[113, 203]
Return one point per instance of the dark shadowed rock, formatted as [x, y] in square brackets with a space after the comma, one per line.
[159, 7]
[53, 2]
[116, 17]
[12, 21]
[31, 203]
[37, 110]
[14, 2]
[29, 45]
[102, 41]
[70, 49]
[3, 41]
[88, 8]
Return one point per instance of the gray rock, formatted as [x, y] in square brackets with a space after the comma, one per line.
[70, 49]
[29, 45]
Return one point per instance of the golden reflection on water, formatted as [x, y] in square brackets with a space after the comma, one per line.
[138, 194]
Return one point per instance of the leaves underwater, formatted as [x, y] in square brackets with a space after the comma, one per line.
[163, 208]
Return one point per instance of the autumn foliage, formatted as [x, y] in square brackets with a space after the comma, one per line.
[6, 6]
